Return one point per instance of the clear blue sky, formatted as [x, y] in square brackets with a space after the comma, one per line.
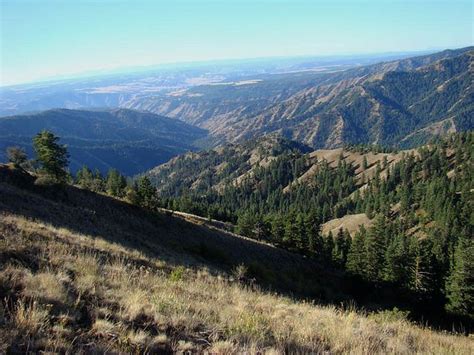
[44, 38]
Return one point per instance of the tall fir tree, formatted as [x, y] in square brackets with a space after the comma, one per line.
[460, 284]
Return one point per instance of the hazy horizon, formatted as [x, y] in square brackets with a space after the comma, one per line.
[51, 39]
[218, 62]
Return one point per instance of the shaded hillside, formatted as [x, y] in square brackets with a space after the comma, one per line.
[93, 214]
[86, 273]
[128, 140]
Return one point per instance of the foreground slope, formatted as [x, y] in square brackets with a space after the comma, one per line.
[128, 140]
[85, 273]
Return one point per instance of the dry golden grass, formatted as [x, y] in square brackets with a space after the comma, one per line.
[349, 222]
[69, 292]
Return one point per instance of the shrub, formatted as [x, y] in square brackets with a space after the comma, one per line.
[391, 315]
[177, 274]
[45, 180]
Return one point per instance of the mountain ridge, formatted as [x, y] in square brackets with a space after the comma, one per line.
[128, 140]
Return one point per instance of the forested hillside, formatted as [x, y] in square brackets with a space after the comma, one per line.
[417, 208]
[86, 272]
[128, 140]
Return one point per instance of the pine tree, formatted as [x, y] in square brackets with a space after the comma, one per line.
[246, 224]
[460, 284]
[313, 233]
[375, 249]
[397, 263]
[52, 156]
[292, 232]
[278, 228]
[115, 183]
[98, 183]
[260, 229]
[84, 178]
[146, 193]
[339, 252]
[356, 261]
[329, 246]
[421, 267]
[365, 165]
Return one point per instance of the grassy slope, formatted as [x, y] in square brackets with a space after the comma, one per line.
[83, 272]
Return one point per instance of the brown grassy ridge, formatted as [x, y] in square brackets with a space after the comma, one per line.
[66, 290]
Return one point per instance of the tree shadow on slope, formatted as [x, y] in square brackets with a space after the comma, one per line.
[179, 242]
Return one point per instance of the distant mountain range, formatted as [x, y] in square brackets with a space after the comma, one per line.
[402, 102]
[125, 88]
[128, 140]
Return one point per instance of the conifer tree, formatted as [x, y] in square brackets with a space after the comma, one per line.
[460, 284]
[84, 178]
[246, 224]
[422, 265]
[313, 233]
[52, 156]
[356, 261]
[339, 251]
[146, 193]
[115, 183]
[329, 246]
[278, 228]
[397, 263]
[375, 249]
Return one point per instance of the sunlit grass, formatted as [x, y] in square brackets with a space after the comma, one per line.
[89, 291]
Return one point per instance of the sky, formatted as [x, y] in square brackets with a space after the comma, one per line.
[49, 38]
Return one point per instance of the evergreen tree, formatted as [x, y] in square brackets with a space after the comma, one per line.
[329, 246]
[375, 249]
[52, 156]
[313, 233]
[422, 265]
[278, 228]
[246, 224]
[85, 178]
[397, 262]
[146, 193]
[292, 232]
[261, 229]
[115, 183]
[365, 165]
[356, 261]
[460, 284]
[98, 183]
[339, 253]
